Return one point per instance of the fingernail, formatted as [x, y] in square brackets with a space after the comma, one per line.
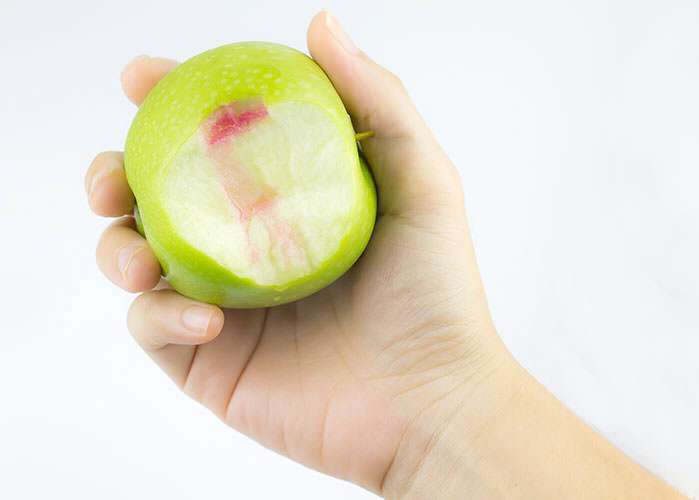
[196, 318]
[343, 38]
[125, 258]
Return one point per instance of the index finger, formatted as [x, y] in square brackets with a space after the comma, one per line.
[141, 75]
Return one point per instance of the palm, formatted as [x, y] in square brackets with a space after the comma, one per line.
[313, 379]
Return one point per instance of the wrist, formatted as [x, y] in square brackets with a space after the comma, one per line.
[438, 455]
[508, 437]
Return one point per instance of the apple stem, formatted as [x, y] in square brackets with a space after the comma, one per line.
[363, 135]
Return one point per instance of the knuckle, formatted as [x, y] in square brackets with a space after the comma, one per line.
[102, 245]
[139, 312]
[135, 312]
[109, 237]
[97, 159]
[395, 80]
[100, 159]
[104, 160]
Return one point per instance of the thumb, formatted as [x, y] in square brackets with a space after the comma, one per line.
[413, 174]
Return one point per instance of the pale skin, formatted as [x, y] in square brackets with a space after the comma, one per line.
[393, 377]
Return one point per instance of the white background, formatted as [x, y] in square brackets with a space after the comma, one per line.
[576, 129]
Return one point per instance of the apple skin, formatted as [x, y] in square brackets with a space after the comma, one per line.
[172, 113]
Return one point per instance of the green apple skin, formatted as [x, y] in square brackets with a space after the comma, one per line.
[173, 112]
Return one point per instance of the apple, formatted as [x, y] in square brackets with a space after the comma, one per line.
[249, 185]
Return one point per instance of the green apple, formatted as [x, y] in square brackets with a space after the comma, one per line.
[249, 185]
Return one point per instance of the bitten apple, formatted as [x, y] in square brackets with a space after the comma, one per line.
[249, 185]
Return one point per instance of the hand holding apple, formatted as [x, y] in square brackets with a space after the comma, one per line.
[332, 379]
[391, 377]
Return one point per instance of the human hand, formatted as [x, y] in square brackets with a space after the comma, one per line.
[334, 381]
[393, 377]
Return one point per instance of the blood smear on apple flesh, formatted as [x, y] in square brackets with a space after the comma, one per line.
[250, 195]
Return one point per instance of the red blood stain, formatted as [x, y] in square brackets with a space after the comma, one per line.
[230, 123]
